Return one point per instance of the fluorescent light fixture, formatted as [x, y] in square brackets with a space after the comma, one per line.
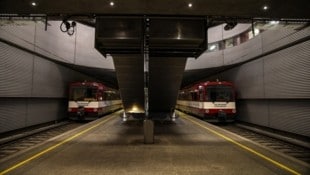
[274, 22]
[212, 47]
[256, 32]
[265, 7]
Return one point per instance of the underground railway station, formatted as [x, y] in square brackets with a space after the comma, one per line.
[154, 87]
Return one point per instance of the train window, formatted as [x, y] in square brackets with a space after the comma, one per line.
[229, 43]
[200, 94]
[83, 93]
[194, 95]
[111, 95]
[107, 95]
[220, 93]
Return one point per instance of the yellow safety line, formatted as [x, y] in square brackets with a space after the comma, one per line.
[246, 148]
[52, 147]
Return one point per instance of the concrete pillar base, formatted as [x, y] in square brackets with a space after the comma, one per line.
[148, 126]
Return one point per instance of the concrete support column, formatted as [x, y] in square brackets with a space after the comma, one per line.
[148, 127]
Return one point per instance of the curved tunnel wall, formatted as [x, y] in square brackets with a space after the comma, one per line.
[274, 90]
[76, 49]
[263, 43]
[32, 89]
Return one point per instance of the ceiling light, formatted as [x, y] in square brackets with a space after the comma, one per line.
[265, 7]
[274, 22]
[111, 3]
[190, 5]
[34, 4]
[212, 47]
[256, 32]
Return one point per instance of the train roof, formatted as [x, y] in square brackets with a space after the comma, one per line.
[216, 83]
[88, 83]
[210, 83]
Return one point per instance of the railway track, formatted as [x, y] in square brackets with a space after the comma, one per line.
[299, 152]
[22, 141]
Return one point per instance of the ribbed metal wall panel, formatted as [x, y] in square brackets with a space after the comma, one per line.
[248, 79]
[78, 49]
[48, 79]
[45, 110]
[32, 89]
[16, 113]
[52, 80]
[287, 73]
[274, 91]
[253, 111]
[21, 32]
[15, 72]
[290, 115]
[205, 60]
[13, 114]
[272, 39]
[243, 52]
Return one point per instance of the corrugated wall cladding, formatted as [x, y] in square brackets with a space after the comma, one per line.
[21, 32]
[260, 44]
[274, 91]
[52, 80]
[248, 80]
[243, 52]
[16, 113]
[48, 79]
[207, 59]
[77, 49]
[253, 111]
[32, 90]
[272, 39]
[287, 73]
[13, 114]
[290, 115]
[45, 110]
[15, 72]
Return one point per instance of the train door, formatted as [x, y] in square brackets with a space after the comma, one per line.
[201, 93]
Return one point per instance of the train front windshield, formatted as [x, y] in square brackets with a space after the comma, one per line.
[220, 93]
[83, 93]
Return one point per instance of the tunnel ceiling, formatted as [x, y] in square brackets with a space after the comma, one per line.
[240, 8]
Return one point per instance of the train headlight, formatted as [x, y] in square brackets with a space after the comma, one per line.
[95, 109]
[233, 110]
[207, 111]
[69, 109]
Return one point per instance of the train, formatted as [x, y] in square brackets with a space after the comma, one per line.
[91, 100]
[213, 101]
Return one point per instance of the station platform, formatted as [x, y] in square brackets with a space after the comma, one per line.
[186, 146]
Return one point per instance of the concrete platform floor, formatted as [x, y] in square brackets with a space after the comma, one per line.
[186, 146]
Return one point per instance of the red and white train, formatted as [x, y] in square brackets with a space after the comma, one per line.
[90, 100]
[214, 101]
